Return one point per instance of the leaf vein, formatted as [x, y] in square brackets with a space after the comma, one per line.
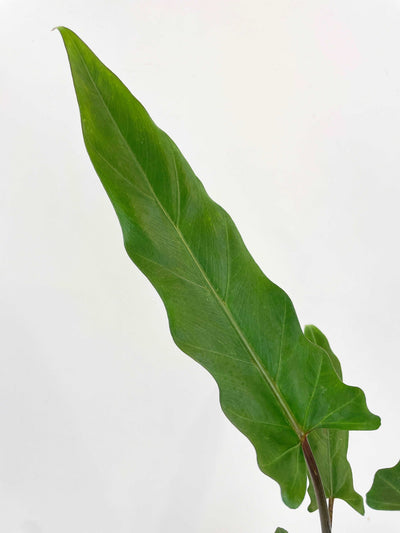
[169, 270]
[253, 420]
[201, 348]
[281, 342]
[313, 392]
[281, 455]
[123, 178]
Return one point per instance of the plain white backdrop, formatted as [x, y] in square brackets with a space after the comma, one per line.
[289, 112]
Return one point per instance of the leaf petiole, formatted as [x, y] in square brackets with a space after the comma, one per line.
[330, 508]
[326, 522]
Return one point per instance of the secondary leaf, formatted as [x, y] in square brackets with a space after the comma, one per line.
[275, 385]
[385, 491]
[329, 446]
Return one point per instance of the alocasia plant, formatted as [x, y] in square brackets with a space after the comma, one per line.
[281, 388]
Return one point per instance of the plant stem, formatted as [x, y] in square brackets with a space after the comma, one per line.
[318, 487]
[331, 500]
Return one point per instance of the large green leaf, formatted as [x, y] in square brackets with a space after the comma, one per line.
[385, 491]
[274, 384]
[329, 446]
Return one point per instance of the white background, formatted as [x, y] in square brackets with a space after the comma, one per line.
[289, 112]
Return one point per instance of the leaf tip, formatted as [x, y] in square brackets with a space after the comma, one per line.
[59, 28]
[64, 31]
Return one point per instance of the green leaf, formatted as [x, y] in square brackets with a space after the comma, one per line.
[384, 494]
[280, 530]
[275, 386]
[329, 446]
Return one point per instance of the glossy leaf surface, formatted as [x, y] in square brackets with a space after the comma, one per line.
[385, 491]
[275, 386]
[329, 446]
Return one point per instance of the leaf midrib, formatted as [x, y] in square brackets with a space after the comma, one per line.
[274, 388]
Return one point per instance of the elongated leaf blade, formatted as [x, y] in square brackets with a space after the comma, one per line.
[384, 494]
[275, 386]
[329, 446]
